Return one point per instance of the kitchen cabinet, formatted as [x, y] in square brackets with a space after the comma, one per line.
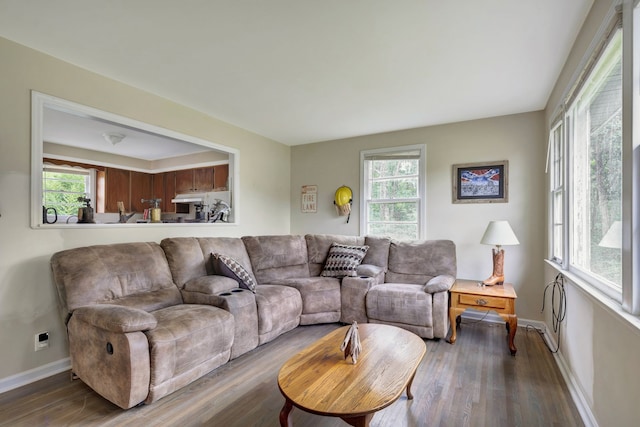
[194, 180]
[117, 184]
[141, 188]
[220, 177]
[169, 180]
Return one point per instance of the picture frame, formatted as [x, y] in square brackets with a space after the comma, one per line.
[481, 182]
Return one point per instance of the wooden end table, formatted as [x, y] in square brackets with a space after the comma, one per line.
[319, 379]
[499, 298]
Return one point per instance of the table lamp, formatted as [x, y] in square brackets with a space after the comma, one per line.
[498, 233]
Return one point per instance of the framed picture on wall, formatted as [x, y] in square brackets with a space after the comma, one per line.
[485, 182]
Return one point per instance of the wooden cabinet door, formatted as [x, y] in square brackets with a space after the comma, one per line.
[184, 181]
[220, 176]
[117, 189]
[141, 188]
[203, 179]
[169, 191]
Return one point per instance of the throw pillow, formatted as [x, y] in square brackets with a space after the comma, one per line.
[439, 283]
[226, 266]
[343, 260]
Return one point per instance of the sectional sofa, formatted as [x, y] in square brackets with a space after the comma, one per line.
[145, 319]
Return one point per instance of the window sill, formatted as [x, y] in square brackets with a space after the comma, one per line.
[609, 304]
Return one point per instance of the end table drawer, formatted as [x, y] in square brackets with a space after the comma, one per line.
[482, 301]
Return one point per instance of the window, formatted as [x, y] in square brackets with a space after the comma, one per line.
[588, 243]
[557, 192]
[595, 137]
[393, 183]
[63, 186]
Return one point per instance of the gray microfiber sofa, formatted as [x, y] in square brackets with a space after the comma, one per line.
[145, 319]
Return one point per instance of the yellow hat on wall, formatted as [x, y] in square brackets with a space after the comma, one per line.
[344, 195]
[342, 200]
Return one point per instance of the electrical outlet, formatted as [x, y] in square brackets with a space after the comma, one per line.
[41, 341]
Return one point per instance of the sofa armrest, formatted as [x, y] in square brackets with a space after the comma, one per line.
[439, 283]
[207, 289]
[370, 270]
[116, 318]
[210, 285]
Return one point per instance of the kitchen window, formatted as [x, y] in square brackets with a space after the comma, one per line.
[62, 186]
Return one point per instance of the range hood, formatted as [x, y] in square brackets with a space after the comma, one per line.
[189, 198]
[207, 198]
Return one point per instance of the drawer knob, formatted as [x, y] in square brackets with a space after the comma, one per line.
[481, 301]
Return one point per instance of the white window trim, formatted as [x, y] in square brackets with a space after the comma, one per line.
[629, 299]
[422, 185]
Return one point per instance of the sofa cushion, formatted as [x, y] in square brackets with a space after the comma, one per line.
[400, 303]
[419, 261]
[229, 267]
[439, 283]
[318, 246]
[277, 257]
[378, 253]
[343, 260]
[133, 274]
[279, 309]
[189, 341]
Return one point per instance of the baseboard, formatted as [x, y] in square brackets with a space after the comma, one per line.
[33, 375]
[577, 395]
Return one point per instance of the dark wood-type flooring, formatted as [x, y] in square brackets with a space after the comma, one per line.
[475, 382]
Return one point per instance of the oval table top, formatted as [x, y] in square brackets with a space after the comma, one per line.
[320, 380]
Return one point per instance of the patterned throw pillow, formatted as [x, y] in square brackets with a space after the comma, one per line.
[229, 267]
[343, 260]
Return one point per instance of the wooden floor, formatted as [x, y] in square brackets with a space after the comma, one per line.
[475, 382]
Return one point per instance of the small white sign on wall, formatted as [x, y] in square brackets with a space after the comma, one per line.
[309, 198]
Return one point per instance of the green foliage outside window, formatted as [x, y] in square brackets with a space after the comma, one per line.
[61, 191]
[393, 206]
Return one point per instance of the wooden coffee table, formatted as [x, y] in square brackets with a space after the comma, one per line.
[319, 379]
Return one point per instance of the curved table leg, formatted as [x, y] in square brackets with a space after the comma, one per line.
[285, 414]
[512, 326]
[409, 394]
[362, 421]
[454, 314]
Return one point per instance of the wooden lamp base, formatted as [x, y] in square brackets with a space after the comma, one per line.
[497, 277]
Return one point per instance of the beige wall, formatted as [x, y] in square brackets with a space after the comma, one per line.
[28, 303]
[597, 345]
[520, 139]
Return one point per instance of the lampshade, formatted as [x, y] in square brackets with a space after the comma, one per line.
[499, 233]
[613, 236]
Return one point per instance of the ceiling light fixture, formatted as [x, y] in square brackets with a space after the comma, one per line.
[113, 137]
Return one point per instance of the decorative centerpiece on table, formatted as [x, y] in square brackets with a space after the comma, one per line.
[351, 344]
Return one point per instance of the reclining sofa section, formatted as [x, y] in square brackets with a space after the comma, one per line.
[145, 319]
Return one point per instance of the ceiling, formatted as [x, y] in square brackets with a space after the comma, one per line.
[302, 71]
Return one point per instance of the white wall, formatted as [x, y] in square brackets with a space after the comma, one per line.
[520, 139]
[599, 346]
[28, 303]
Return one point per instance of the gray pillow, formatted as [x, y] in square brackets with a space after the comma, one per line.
[439, 283]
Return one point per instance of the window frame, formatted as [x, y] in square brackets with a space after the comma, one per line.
[365, 200]
[627, 19]
[90, 184]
